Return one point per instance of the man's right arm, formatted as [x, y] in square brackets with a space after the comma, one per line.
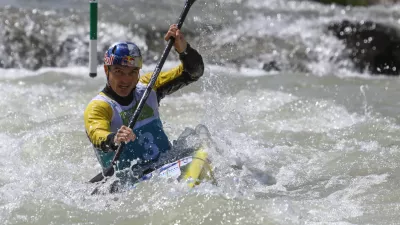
[189, 71]
[97, 116]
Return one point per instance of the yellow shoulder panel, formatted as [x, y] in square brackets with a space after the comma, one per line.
[97, 117]
[163, 77]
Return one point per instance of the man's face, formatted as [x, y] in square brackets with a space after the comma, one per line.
[122, 79]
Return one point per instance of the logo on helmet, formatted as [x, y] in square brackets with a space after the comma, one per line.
[108, 60]
[128, 61]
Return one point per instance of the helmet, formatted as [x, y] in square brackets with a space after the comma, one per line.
[123, 53]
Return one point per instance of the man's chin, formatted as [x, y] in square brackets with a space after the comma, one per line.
[123, 93]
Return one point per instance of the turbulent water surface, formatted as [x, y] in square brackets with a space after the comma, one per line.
[312, 143]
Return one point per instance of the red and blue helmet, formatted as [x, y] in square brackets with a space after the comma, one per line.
[123, 53]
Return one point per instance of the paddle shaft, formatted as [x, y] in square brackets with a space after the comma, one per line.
[109, 171]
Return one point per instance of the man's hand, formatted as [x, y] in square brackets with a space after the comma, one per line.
[180, 42]
[124, 134]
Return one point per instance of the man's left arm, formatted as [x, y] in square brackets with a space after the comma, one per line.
[191, 69]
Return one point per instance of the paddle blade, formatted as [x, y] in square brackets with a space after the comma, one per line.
[99, 177]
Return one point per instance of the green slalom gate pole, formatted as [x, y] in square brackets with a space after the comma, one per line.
[93, 39]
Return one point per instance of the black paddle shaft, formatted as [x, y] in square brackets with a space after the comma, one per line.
[110, 170]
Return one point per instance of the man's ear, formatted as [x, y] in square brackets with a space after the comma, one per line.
[106, 69]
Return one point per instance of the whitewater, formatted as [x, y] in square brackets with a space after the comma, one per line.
[315, 142]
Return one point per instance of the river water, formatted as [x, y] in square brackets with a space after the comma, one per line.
[313, 143]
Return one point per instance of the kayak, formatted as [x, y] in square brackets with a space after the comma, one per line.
[192, 169]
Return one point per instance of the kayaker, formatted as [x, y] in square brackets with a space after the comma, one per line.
[108, 114]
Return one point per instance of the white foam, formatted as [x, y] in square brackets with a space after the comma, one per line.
[81, 71]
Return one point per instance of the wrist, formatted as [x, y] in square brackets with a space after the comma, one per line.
[114, 143]
[182, 52]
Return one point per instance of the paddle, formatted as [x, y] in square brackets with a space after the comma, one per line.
[110, 170]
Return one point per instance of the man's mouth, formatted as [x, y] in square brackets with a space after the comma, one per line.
[123, 87]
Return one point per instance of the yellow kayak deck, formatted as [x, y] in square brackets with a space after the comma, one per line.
[192, 169]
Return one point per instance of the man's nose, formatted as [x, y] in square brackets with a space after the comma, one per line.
[126, 76]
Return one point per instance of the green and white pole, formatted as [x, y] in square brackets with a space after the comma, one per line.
[93, 39]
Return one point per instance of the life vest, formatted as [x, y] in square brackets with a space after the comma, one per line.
[151, 139]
